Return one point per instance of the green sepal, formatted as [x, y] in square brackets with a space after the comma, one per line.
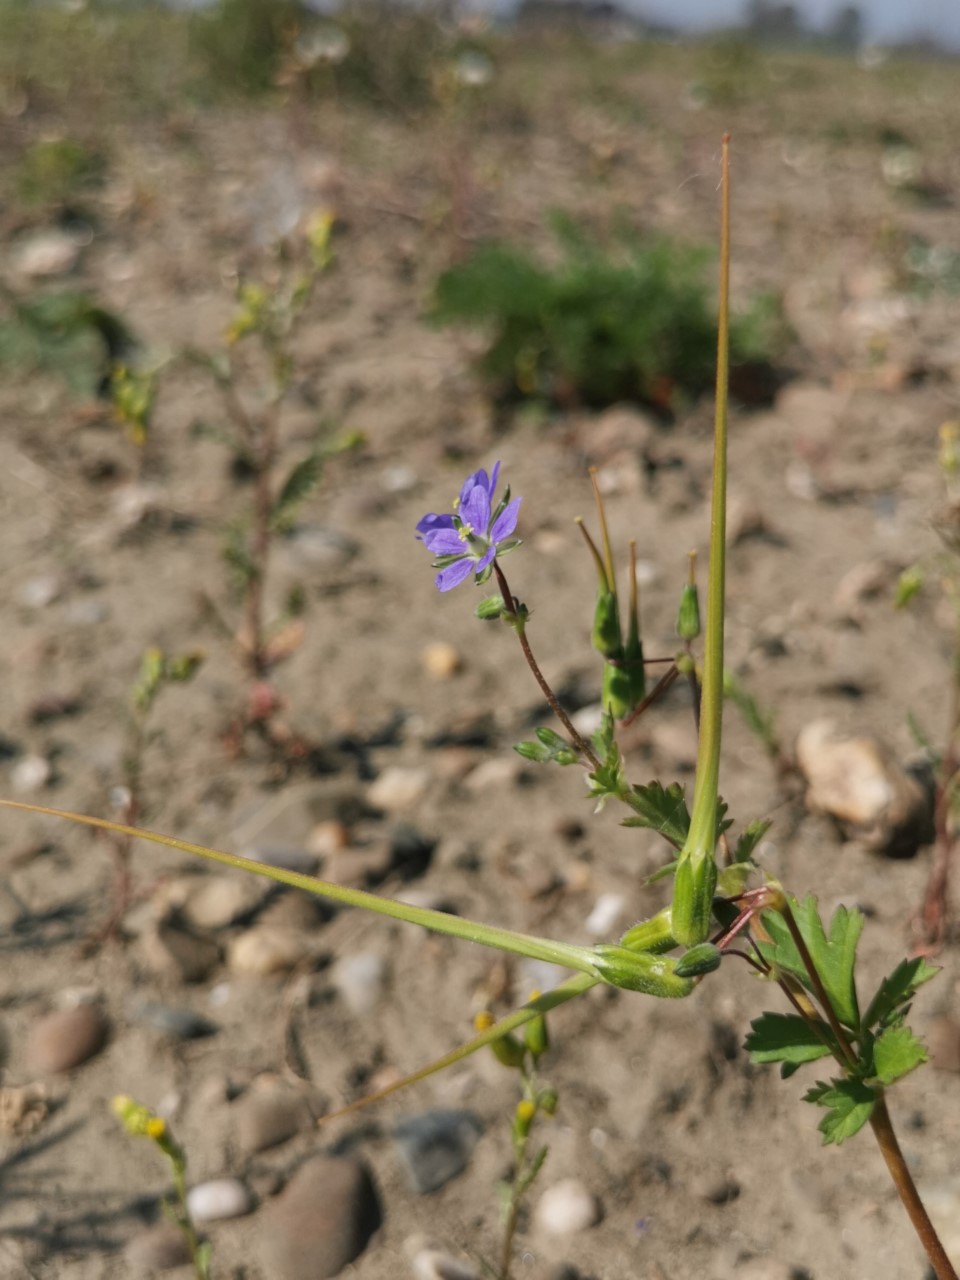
[615, 691]
[688, 615]
[693, 889]
[490, 609]
[550, 748]
[607, 638]
[654, 935]
[641, 971]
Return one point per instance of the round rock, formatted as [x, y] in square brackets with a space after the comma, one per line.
[436, 1146]
[64, 1039]
[267, 949]
[566, 1208]
[214, 1201]
[321, 1220]
[269, 1113]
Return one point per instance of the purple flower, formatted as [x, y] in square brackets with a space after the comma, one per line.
[470, 540]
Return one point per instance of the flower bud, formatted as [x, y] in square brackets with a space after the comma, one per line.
[688, 616]
[523, 1118]
[507, 1049]
[699, 960]
[547, 1101]
[536, 1036]
[607, 637]
[654, 935]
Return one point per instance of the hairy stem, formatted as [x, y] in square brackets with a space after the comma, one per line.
[703, 822]
[513, 608]
[883, 1131]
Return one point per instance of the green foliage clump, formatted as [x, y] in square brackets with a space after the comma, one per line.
[241, 43]
[55, 173]
[65, 333]
[634, 323]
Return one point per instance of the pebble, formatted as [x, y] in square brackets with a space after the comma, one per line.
[360, 980]
[436, 1146]
[47, 253]
[37, 593]
[441, 660]
[181, 1024]
[320, 547]
[320, 1222]
[399, 787]
[64, 1039]
[859, 782]
[943, 1042]
[567, 1208]
[269, 1113]
[361, 867]
[30, 774]
[159, 1248]
[501, 771]
[327, 837]
[214, 902]
[267, 949]
[608, 911]
[172, 951]
[214, 1201]
[297, 911]
[431, 1264]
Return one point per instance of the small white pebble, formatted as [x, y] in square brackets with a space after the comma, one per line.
[566, 1208]
[30, 774]
[607, 913]
[213, 1201]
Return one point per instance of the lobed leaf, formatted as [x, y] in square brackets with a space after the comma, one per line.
[834, 956]
[662, 809]
[849, 1106]
[896, 991]
[895, 1054]
[787, 1038]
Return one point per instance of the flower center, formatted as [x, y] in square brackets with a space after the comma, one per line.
[465, 532]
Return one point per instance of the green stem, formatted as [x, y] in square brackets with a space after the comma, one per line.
[703, 822]
[521, 944]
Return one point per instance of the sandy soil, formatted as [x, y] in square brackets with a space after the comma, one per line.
[658, 1105]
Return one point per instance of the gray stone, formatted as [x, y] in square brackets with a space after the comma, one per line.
[436, 1146]
[269, 1113]
[320, 1222]
[64, 1039]
[174, 951]
[179, 1023]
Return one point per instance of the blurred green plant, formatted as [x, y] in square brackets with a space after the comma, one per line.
[66, 333]
[635, 323]
[141, 1122]
[241, 43]
[55, 173]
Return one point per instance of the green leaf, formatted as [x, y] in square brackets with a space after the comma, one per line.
[660, 808]
[896, 991]
[787, 1038]
[550, 748]
[301, 481]
[849, 1106]
[908, 584]
[750, 837]
[834, 956]
[895, 1054]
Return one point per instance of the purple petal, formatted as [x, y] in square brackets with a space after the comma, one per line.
[454, 574]
[444, 542]
[506, 521]
[491, 488]
[475, 510]
[486, 559]
[431, 521]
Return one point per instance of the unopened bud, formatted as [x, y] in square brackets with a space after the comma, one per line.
[699, 960]
[523, 1118]
[536, 1036]
[640, 971]
[507, 1049]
